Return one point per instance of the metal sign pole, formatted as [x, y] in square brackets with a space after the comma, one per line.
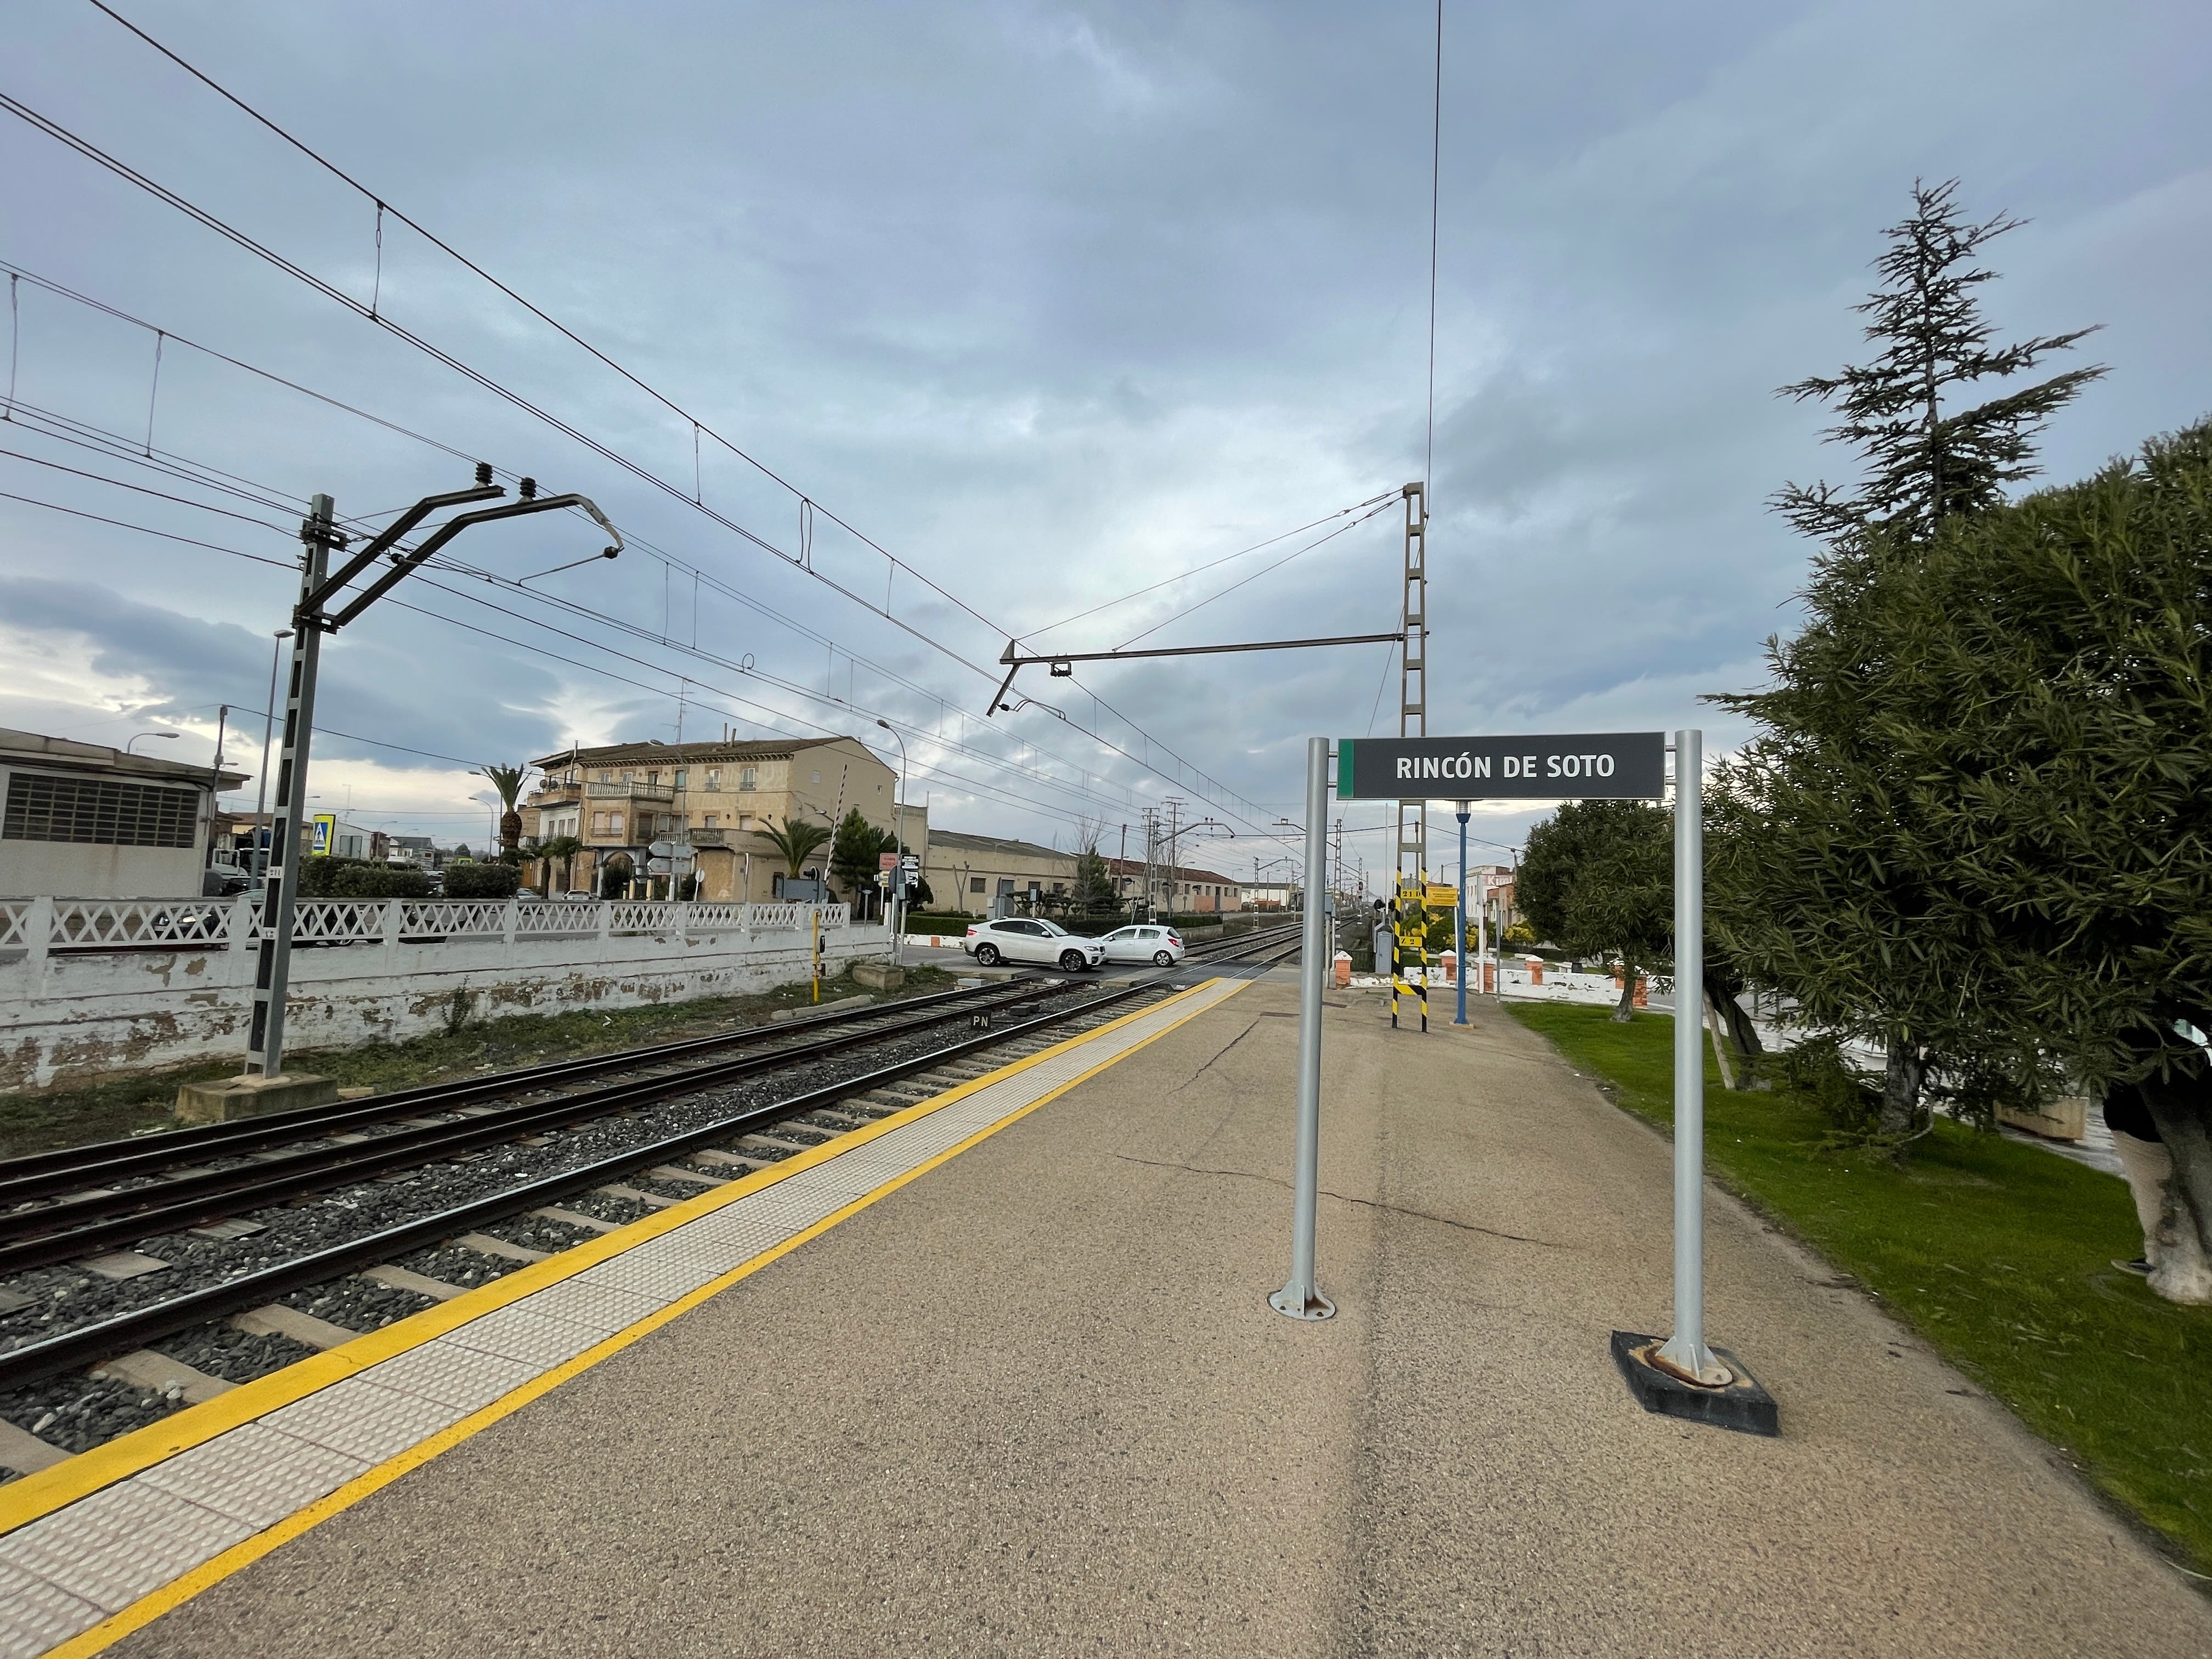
[1301, 1298]
[1459, 917]
[1686, 1352]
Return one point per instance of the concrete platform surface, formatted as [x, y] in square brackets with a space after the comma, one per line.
[1035, 1402]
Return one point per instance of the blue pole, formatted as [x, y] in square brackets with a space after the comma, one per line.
[1459, 944]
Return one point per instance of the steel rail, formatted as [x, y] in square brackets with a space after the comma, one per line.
[67, 1169]
[42, 1236]
[71, 1350]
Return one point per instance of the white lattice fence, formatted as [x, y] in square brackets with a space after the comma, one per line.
[453, 918]
[141, 924]
[14, 922]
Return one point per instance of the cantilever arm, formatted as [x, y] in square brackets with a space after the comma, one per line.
[389, 538]
[452, 527]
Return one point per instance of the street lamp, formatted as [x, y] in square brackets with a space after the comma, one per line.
[127, 747]
[898, 836]
[310, 620]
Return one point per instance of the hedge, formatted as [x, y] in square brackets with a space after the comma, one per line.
[362, 879]
[478, 881]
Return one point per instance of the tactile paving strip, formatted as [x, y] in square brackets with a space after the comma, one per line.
[63, 1573]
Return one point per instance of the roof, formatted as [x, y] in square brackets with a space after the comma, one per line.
[32, 749]
[953, 840]
[1183, 872]
[750, 749]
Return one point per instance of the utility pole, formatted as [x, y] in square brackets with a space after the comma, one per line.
[1413, 857]
[310, 620]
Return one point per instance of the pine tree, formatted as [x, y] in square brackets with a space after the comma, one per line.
[1819, 894]
[1922, 463]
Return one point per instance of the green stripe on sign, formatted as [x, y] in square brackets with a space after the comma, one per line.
[1344, 768]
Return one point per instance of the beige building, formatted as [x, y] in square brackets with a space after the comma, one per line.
[985, 875]
[619, 798]
[84, 821]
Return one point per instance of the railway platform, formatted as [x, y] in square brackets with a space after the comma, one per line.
[998, 1374]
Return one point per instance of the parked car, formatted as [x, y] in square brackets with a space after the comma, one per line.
[1162, 946]
[1019, 939]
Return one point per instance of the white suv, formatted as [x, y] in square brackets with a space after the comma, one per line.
[1019, 939]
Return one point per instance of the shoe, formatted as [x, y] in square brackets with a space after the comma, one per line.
[2137, 1265]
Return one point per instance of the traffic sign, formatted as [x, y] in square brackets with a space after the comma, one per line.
[887, 861]
[1440, 897]
[667, 849]
[1585, 766]
[666, 866]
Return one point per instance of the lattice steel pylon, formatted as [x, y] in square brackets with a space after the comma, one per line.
[1413, 680]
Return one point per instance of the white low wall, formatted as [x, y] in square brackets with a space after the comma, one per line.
[92, 987]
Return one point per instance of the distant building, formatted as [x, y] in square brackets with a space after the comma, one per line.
[990, 875]
[82, 821]
[1182, 889]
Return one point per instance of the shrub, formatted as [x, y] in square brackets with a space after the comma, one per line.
[361, 878]
[479, 881]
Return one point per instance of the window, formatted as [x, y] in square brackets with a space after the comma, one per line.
[106, 814]
[817, 777]
[744, 820]
[614, 823]
[747, 776]
[599, 823]
[680, 776]
[713, 777]
[974, 883]
[712, 821]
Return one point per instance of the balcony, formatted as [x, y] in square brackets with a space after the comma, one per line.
[554, 795]
[658, 792]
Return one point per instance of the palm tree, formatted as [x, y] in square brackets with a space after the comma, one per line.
[796, 842]
[508, 779]
[565, 849]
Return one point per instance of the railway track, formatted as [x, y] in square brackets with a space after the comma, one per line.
[595, 1142]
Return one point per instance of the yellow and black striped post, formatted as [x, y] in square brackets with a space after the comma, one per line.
[1409, 946]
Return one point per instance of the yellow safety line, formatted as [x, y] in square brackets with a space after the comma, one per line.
[41, 1494]
[212, 1571]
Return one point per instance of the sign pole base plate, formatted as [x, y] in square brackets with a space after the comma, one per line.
[1292, 1304]
[1741, 1404]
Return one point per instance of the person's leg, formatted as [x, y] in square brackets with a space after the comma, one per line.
[2148, 1165]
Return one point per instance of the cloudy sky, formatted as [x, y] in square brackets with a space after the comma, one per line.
[1050, 303]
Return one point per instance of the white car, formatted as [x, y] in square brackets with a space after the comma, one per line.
[1020, 939]
[1162, 946]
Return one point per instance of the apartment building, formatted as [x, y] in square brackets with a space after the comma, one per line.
[619, 798]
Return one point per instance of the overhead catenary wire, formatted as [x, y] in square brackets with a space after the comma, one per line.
[1200, 570]
[808, 508]
[1264, 571]
[764, 716]
[920, 733]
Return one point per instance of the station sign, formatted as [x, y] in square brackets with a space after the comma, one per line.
[1578, 766]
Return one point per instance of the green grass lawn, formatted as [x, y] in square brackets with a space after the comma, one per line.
[1998, 1252]
[138, 1103]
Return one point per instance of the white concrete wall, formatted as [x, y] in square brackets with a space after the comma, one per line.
[70, 1014]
